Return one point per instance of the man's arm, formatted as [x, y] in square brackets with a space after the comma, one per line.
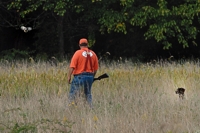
[96, 65]
[95, 73]
[70, 73]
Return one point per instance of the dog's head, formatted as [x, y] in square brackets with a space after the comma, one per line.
[180, 91]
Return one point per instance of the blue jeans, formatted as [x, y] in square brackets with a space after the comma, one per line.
[82, 81]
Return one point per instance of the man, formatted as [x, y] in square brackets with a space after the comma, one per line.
[84, 65]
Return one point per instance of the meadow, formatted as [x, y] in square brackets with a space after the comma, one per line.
[136, 98]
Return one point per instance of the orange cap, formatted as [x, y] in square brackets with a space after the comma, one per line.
[83, 40]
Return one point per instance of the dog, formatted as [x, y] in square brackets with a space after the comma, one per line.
[180, 92]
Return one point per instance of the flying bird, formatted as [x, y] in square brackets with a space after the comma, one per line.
[26, 29]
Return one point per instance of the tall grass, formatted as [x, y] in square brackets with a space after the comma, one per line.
[136, 98]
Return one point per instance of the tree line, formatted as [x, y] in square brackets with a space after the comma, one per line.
[142, 29]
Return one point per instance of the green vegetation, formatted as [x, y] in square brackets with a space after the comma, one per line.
[135, 98]
[125, 28]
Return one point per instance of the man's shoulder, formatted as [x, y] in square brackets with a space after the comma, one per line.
[78, 51]
[81, 52]
[91, 51]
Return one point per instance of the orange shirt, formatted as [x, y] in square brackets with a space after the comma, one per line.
[79, 58]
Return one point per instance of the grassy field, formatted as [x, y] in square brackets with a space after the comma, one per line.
[137, 98]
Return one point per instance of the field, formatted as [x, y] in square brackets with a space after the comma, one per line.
[136, 98]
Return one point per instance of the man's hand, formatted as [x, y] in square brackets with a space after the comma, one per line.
[70, 73]
[69, 79]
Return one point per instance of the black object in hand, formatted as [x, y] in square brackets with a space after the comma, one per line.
[105, 75]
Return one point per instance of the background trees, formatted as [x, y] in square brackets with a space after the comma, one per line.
[126, 28]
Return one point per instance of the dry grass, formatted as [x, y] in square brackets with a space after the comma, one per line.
[136, 98]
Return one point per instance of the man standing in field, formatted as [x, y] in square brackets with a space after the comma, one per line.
[84, 65]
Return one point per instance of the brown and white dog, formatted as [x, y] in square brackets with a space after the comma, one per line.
[180, 92]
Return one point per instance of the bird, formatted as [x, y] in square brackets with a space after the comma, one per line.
[26, 29]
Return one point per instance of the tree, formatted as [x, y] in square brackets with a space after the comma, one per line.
[164, 20]
[167, 22]
[78, 18]
[28, 8]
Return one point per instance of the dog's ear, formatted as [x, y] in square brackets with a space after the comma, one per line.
[181, 89]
